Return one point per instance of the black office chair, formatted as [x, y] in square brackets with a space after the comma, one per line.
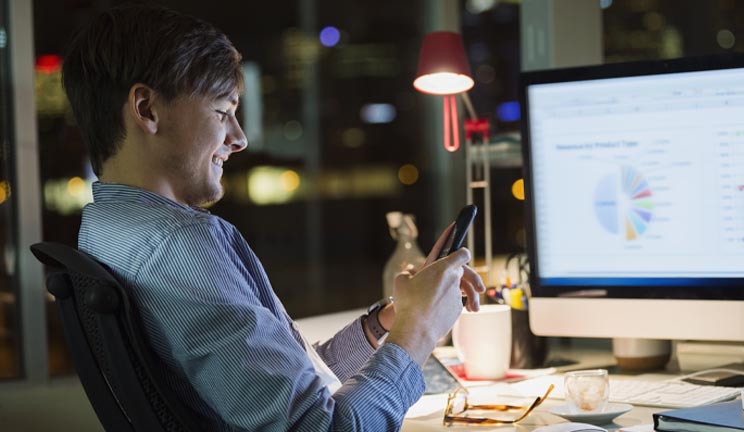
[115, 366]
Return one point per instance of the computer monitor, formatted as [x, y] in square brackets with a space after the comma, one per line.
[634, 176]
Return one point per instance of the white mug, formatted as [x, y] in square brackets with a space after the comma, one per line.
[483, 341]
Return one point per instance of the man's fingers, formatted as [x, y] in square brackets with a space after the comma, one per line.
[474, 278]
[473, 303]
[439, 245]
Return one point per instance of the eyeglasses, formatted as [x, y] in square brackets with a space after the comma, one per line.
[457, 407]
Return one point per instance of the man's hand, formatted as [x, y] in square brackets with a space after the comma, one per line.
[471, 283]
[428, 302]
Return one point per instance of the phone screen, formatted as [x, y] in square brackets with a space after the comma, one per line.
[438, 378]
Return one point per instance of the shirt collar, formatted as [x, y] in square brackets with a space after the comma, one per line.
[115, 192]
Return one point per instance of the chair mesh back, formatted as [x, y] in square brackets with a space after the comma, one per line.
[92, 324]
[164, 415]
[92, 327]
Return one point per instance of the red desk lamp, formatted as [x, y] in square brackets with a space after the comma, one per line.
[443, 70]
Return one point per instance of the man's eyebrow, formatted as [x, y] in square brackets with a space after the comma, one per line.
[232, 100]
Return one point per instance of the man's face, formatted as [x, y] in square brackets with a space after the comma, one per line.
[198, 135]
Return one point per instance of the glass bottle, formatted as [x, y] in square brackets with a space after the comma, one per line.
[407, 254]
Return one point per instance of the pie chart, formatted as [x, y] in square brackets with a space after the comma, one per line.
[623, 203]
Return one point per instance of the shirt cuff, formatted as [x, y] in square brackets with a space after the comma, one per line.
[347, 351]
[396, 363]
[363, 350]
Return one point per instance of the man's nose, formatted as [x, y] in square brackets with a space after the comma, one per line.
[235, 138]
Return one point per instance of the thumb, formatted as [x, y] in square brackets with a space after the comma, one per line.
[458, 258]
[402, 278]
[439, 245]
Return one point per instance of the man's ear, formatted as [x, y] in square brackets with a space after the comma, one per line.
[141, 107]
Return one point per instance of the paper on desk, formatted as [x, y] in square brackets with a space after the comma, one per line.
[537, 386]
[494, 393]
[532, 373]
[447, 356]
[512, 375]
[427, 405]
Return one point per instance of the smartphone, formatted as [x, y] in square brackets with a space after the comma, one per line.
[723, 377]
[438, 378]
[456, 237]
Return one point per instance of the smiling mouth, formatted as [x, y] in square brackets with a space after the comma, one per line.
[217, 161]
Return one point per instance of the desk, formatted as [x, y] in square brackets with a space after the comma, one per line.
[588, 359]
[324, 326]
[540, 417]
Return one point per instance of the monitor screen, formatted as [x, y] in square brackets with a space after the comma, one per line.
[635, 179]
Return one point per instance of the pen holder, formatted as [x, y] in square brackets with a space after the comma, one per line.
[528, 351]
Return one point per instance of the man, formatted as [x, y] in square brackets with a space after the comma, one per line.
[155, 93]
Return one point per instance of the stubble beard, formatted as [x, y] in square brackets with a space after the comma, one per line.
[205, 192]
[216, 194]
[199, 191]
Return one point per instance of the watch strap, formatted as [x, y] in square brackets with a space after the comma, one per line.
[373, 320]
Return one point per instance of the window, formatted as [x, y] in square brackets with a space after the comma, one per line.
[337, 140]
[9, 322]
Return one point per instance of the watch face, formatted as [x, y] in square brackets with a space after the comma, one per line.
[385, 301]
[380, 304]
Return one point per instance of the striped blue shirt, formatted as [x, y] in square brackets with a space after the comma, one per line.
[228, 347]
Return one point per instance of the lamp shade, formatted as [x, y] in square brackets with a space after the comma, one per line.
[443, 68]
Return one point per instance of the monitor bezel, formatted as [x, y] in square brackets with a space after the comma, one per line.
[668, 288]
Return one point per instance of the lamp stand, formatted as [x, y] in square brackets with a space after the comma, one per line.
[478, 177]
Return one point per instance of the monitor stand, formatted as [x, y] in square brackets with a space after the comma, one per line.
[641, 354]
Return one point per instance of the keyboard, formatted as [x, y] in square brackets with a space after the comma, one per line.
[671, 394]
[664, 394]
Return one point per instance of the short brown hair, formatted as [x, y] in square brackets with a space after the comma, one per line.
[173, 53]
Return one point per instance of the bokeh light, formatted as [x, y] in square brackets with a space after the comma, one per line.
[508, 111]
[408, 174]
[518, 189]
[292, 130]
[376, 113]
[353, 137]
[725, 38]
[329, 36]
[290, 180]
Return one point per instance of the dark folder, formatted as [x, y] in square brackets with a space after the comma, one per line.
[719, 417]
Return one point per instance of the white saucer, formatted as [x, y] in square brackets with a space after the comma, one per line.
[611, 411]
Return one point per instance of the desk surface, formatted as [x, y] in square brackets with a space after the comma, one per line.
[541, 417]
[322, 327]
[587, 358]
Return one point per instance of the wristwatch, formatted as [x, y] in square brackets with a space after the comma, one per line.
[372, 318]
